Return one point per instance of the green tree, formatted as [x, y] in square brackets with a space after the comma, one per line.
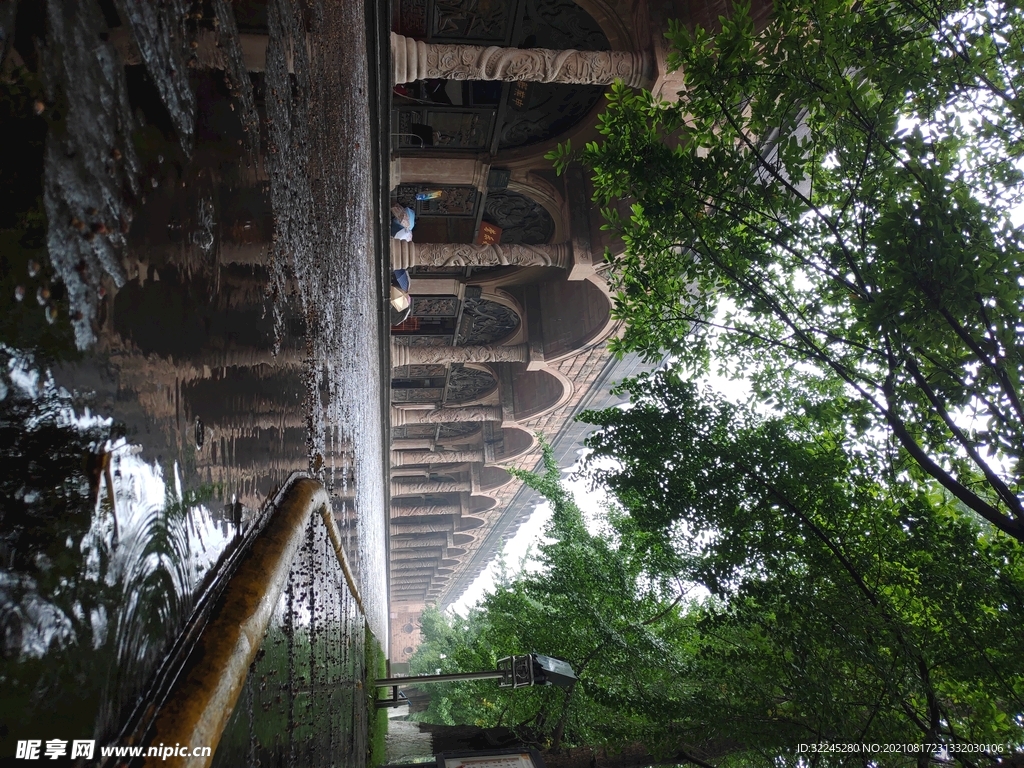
[592, 604]
[828, 210]
[842, 605]
[846, 603]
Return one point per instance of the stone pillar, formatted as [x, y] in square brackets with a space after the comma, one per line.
[446, 171]
[403, 355]
[470, 414]
[406, 255]
[425, 487]
[419, 474]
[400, 558]
[411, 584]
[406, 458]
[416, 60]
[408, 444]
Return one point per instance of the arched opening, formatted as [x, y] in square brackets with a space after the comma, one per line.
[534, 392]
[480, 504]
[513, 442]
[493, 477]
[573, 314]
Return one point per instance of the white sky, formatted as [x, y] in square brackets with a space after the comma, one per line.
[590, 501]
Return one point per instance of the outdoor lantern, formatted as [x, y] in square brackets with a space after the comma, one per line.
[548, 670]
[534, 669]
[512, 672]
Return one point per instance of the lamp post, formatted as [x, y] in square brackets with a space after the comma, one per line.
[512, 671]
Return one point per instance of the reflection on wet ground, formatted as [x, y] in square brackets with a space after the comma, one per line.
[189, 311]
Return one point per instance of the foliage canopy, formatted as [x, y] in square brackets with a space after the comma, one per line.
[839, 607]
[828, 209]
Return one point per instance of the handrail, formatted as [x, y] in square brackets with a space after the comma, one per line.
[197, 708]
[335, 536]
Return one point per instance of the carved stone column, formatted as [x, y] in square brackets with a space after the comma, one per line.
[411, 584]
[408, 444]
[400, 558]
[426, 487]
[470, 414]
[402, 355]
[416, 60]
[425, 510]
[406, 255]
[441, 539]
[419, 474]
[415, 529]
[406, 458]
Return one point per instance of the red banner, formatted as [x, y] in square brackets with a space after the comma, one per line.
[488, 234]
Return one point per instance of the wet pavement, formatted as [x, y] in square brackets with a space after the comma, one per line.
[190, 310]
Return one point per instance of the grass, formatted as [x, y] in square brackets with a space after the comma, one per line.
[376, 666]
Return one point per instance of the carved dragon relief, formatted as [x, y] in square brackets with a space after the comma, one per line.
[465, 384]
[486, 322]
[521, 219]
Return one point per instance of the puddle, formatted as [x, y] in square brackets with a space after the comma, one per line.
[189, 309]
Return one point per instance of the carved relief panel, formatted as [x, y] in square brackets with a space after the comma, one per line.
[418, 371]
[544, 111]
[432, 306]
[417, 395]
[421, 341]
[476, 21]
[561, 24]
[453, 201]
[451, 431]
[412, 17]
[441, 128]
[434, 431]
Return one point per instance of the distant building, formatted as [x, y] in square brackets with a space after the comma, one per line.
[511, 312]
